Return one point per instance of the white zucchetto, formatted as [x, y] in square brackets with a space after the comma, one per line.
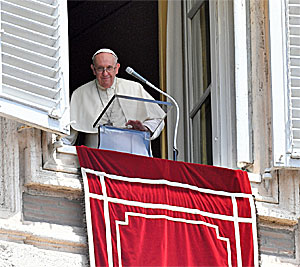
[105, 50]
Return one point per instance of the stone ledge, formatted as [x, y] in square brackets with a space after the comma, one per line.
[44, 235]
[279, 222]
[272, 213]
[55, 181]
[275, 261]
[21, 255]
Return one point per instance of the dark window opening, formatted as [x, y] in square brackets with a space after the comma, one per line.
[129, 28]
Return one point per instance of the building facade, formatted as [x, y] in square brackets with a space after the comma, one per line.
[234, 68]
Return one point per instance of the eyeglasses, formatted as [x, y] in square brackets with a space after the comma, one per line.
[102, 69]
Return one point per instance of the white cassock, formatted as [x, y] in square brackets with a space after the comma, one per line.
[88, 101]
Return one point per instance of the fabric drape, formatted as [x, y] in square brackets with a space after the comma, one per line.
[153, 212]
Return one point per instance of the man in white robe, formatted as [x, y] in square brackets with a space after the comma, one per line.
[88, 101]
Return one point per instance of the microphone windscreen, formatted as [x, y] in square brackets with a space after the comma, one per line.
[129, 70]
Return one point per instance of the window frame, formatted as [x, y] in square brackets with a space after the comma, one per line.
[193, 107]
[244, 155]
[283, 154]
[222, 84]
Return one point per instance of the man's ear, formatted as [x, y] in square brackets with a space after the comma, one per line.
[93, 69]
[117, 68]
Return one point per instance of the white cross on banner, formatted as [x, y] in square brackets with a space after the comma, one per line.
[145, 211]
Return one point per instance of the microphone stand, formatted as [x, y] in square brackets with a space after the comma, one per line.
[136, 75]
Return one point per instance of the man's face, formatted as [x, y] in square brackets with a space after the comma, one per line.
[105, 68]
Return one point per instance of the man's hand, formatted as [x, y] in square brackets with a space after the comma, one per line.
[137, 125]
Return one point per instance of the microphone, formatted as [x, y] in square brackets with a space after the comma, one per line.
[135, 74]
[142, 79]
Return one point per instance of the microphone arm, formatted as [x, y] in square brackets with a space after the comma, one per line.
[142, 79]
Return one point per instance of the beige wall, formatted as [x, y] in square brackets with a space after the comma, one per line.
[277, 194]
[41, 212]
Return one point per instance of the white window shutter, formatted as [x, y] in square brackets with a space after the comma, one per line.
[294, 72]
[285, 81]
[243, 123]
[34, 63]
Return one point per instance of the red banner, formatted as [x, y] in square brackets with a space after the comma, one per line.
[151, 212]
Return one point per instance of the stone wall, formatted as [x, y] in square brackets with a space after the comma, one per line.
[42, 217]
[41, 211]
[277, 203]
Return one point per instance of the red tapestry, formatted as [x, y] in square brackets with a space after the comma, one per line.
[151, 212]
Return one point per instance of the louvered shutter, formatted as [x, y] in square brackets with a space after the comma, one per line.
[284, 19]
[34, 63]
[294, 71]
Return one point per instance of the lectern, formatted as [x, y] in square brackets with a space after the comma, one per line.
[113, 134]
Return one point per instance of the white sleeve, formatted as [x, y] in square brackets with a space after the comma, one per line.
[70, 139]
[155, 126]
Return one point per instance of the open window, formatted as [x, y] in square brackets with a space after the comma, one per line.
[34, 63]
[199, 73]
[209, 82]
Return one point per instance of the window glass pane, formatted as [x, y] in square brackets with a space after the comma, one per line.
[202, 134]
[194, 2]
[189, 4]
[200, 52]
